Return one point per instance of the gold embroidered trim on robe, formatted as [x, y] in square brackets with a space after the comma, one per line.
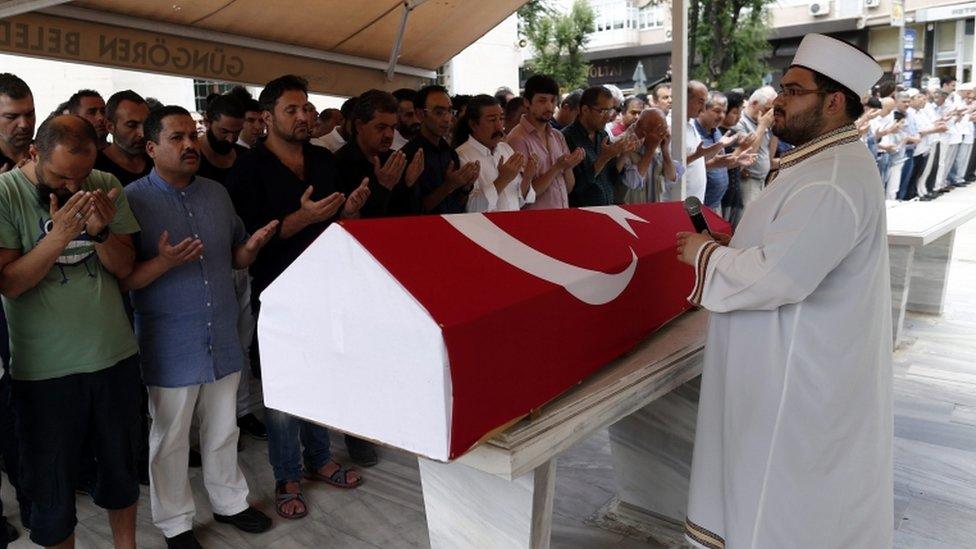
[704, 254]
[840, 136]
[705, 537]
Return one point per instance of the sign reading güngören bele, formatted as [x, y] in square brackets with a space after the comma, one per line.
[138, 50]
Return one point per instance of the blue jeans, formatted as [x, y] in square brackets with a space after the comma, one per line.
[286, 436]
[906, 173]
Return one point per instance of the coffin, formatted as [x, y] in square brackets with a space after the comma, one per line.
[428, 333]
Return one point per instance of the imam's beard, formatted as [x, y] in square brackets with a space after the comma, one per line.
[801, 128]
[219, 146]
[44, 192]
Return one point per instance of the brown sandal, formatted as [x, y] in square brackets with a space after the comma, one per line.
[282, 497]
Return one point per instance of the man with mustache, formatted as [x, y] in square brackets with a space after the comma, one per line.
[533, 135]
[89, 105]
[65, 241]
[369, 156]
[793, 446]
[504, 180]
[17, 119]
[408, 123]
[125, 157]
[183, 288]
[288, 179]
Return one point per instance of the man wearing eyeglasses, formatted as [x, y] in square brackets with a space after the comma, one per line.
[444, 184]
[597, 174]
[793, 446]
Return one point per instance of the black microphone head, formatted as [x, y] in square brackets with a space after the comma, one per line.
[693, 205]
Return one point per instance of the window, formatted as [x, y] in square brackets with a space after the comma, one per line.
[203, 88]
[650, 17]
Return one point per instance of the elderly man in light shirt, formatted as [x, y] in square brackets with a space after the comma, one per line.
[505, 177]
[651, 162]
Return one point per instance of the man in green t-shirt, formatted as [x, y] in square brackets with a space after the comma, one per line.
[64, 243]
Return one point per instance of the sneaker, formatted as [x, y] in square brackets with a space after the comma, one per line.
[253, 427]
[186, 540]
[249, 520]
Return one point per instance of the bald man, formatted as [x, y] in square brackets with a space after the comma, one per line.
[651, 161]
[65, 241]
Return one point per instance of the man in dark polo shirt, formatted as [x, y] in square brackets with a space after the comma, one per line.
[125, 157]
[368, 155]
[285, 178]
[444, 185]
[597, 174]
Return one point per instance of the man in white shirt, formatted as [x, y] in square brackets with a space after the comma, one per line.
[504, 181]
[793, 446]
[697, 154]
[965, 126]
[342, 133]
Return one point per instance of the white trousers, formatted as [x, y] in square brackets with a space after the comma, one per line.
[920, 189]
[962, 163]
[170, 495]
[949, 153]
[894, 179]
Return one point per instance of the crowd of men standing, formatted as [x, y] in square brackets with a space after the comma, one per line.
[135, 244]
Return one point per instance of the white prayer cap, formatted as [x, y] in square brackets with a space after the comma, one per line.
[966, 86]
[912, 92]
[840, 61]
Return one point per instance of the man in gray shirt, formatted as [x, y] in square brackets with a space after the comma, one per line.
[756, 119]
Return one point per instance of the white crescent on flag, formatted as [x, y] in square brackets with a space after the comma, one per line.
[589, 286]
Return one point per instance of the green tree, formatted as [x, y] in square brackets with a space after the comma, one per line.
[727, 41]
[559, 40]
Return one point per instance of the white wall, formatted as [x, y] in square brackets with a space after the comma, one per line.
[491, 62]
[53, 82]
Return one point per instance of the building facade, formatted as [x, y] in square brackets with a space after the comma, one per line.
[940, 32]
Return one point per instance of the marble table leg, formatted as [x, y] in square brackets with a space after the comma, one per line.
[901, 258]
[468, 508]
[651, 451]
[926, 293]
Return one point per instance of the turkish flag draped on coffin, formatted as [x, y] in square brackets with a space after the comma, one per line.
[427, 333]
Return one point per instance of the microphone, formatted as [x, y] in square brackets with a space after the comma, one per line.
[693, 207]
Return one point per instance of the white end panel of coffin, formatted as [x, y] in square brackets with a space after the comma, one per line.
[345, 345]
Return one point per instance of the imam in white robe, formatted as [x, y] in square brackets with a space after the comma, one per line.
[794, 441]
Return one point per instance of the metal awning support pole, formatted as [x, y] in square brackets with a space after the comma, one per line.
[679, 84]
[11, 8]
[408, 6]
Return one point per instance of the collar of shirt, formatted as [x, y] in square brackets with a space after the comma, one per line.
[484, 151]
[160, 183]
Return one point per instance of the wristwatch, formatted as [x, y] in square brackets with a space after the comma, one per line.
[101, 237]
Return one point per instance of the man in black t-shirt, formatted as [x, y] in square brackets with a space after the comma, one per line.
[288, 179]
[367, 155]
[125, 157]
[224, 120]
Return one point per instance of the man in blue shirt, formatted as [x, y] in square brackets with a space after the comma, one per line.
[186, 321]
